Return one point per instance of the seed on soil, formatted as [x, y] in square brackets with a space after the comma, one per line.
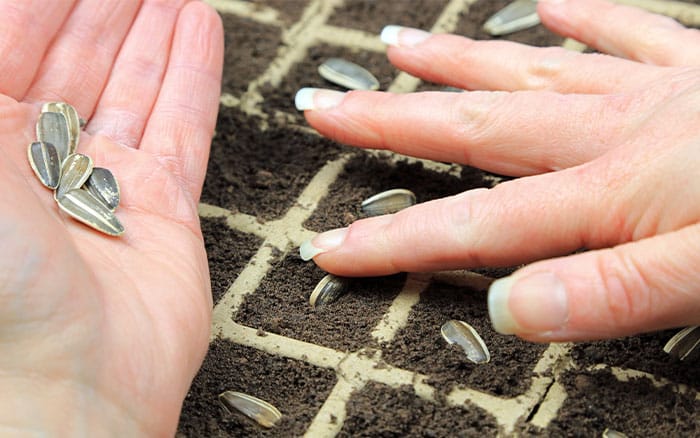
[683, 343]
[464, 335]
[72, 119]
[348, 75]
[388, 202]
[85, 208]
[519, 15]
[261, 411]
[328, 290]
[75, 171]
[53, 128]
[43, 158]
[103, 186]
[610, 433]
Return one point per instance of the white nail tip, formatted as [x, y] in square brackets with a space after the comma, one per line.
[390, 35]
[499, 310]
[304, 99]
[308, 251]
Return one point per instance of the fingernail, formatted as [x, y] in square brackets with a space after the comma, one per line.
[526, 304]
[321, 243]
[317, 99]
[403, 36]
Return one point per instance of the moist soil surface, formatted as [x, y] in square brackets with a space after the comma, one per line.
[262, 159]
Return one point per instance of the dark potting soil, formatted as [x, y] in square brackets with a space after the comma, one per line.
[597, 400]
[643, 353]
[372, 16]
[296, 388]
[380, 411]
[249, 48]
[419, 346]
[228, 251]
[258, 172]
[281, 305]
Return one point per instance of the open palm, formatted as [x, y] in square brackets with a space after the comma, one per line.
[100, 333]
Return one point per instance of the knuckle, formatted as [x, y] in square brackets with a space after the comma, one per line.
[547, 68]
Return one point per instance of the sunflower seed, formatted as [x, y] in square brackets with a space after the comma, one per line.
[464, 335]
[53, 128]
[328, 290]
[610, 433]
[45, 163]
[348, 75]
[75, 171]
[519, 15]
[684, 342]
[85, 208]
[261, 411]
[104, 187]
[72, 119]
[388, 202]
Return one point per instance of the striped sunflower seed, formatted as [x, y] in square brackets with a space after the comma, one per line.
[348, 75]
[75, 171]
[519, 15]
[261, 411]
[388, 202]
[328, 290]
[103, 186]
[53, 128]
[464, 335]
[44, 160]
[84, 207]
[72, 119]
[683, 343]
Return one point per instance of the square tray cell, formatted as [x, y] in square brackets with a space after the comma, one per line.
[305, 74]
[597, 400]
[471, 23]
[258, 172]
[373, 15]
[367, 175]
[296, 388]
[249, 48]
[228, 251]
[420, 347]
[381, 411]
[281, 305]
[642, 353]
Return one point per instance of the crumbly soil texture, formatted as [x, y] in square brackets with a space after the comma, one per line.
[264, 160]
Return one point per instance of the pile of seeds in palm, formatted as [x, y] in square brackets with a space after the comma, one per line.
[88, 194]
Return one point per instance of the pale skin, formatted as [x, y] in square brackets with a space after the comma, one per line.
[607, 148]
[100, 335]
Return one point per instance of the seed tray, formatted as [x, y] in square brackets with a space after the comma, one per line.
[373, 363]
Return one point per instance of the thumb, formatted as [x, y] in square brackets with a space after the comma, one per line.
[648, 285]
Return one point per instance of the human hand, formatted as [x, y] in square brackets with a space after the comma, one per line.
[100, 335]
[606, 148]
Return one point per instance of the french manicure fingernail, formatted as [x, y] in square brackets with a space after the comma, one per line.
[317, 99]
[321, 243]
[528, 304]
[403, 36]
